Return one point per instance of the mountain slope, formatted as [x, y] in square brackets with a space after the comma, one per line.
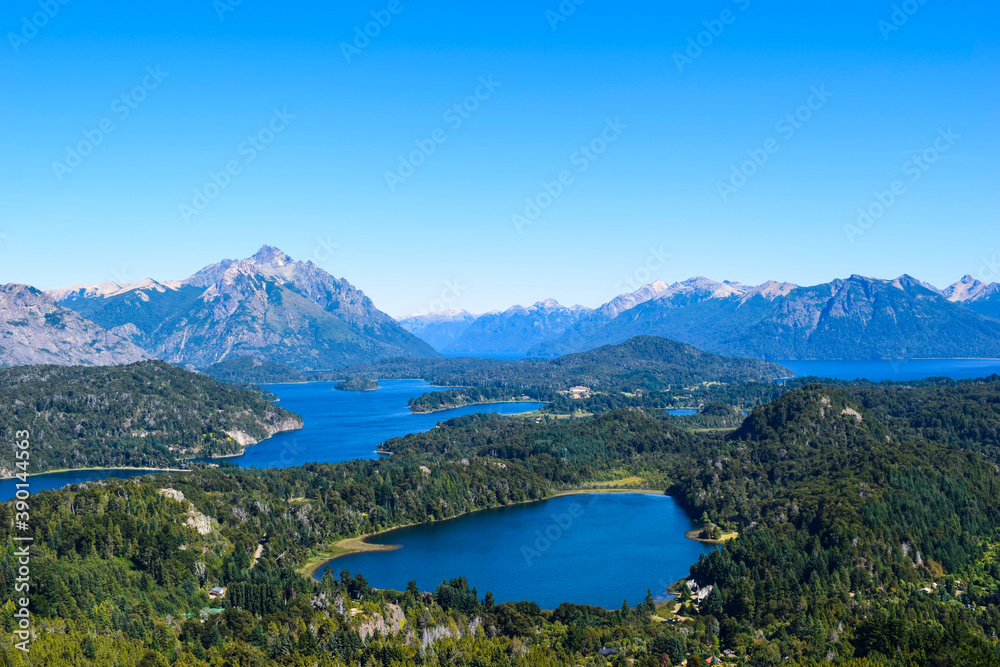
[857, 318]
[36, 330]
[591, 332]
[440, 329]
[144, 414]
[984, 298]
[517, 329]
[267, 306]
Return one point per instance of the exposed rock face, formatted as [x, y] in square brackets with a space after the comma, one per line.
[36, 330]
[390, 622]
[267, 306]
[193, 518]
[984, 298]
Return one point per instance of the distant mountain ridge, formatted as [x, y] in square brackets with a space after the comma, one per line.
[854, 318]
[34, 329]
[517, 329]
[439, 329]
[267, 306]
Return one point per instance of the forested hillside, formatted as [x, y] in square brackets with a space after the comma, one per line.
[644, 365]
[868, 520]
[145, 414]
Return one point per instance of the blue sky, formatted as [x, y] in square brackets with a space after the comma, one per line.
[652, 196]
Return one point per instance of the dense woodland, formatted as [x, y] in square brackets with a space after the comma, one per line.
[147, 414]
[868, 519]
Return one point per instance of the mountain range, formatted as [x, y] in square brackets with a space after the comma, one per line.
[266, 306]
[278, 310]
[854, 318]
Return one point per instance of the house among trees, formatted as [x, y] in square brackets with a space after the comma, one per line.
[217, 593]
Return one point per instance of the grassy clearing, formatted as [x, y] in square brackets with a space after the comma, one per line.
[725, 536]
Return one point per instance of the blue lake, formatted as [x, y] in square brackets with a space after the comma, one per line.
[899, 370]
[681, 412]
[57, 480]
[347, 425]
[593, 549]
[338, 426]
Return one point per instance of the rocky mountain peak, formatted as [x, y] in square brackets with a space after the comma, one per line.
[268, 254]
[970, 289]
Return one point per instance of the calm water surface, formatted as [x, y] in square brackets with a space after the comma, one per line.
[57, 480]
[900, 370]
[339, 426]
[347, 425]
[593, 549]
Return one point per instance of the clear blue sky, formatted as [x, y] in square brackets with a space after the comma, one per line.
[117, 214]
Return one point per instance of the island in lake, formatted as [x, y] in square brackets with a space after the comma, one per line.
[357, 384]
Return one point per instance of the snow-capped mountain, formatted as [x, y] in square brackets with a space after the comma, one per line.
[268, 306]
[856, 318]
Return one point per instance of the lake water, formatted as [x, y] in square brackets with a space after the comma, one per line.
[339, 426]
[347, 425]
[899, 370]
[593, 549]
[681, 412]
[57, 480]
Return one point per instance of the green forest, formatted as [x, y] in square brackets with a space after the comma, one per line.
[868, 519]
[146, 414]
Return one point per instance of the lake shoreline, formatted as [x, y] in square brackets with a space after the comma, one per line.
[356, 545]
[466, 405]
[99, 469]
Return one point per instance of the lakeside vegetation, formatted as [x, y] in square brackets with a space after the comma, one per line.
[148, 414]
[357, 384]
[868, 519]
[645, 371]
